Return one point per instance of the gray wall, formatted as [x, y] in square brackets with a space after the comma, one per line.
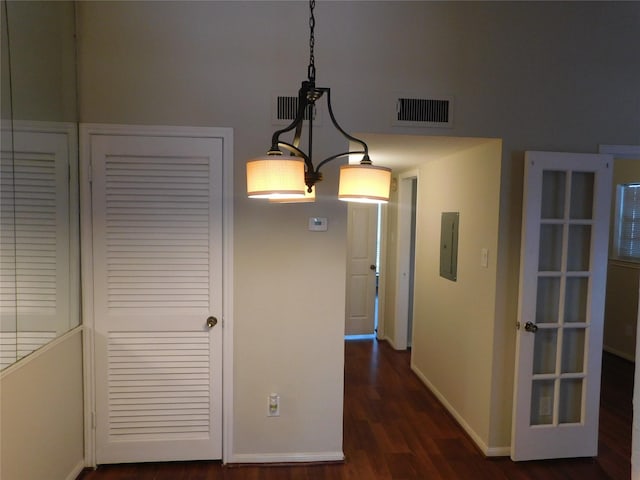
[42, 413]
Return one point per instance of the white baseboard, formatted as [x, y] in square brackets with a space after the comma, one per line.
[484, 448]
[300, 457]
[498, 452]
[76, 471]
[390, 341]
[619, 353]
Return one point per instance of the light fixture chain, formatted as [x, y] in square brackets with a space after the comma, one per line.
[312, 41]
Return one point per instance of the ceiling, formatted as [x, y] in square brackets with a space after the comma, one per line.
[403, 152]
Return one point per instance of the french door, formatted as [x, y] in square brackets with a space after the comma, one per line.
[157, 296]
[566, 208]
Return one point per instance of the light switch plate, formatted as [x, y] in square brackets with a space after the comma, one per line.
[317, 224]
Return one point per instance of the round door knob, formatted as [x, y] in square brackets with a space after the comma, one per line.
[531, 327]
[372, 267]
[212, 322]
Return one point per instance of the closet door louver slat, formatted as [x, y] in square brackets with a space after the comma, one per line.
[34, 240]
[153, 259]
[148, 395]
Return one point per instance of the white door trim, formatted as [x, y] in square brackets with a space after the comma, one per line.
[226, 134]
[382, 268]
[400, 338]
[621, 151]
[631, 152]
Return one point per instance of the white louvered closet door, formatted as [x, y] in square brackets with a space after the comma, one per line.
[157, 249]
[34, 241]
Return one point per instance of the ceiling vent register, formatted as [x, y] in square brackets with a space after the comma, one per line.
[285, 108]
[424, 112]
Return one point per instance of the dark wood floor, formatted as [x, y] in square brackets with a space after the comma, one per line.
[394, 428]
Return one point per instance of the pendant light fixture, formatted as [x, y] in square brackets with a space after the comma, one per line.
[294, 177]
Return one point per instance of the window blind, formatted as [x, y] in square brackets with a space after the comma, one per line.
[628, 244]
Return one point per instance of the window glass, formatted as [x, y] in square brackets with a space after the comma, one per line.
[627, 239]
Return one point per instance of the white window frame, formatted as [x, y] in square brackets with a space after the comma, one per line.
[620, 152]
[627, 249]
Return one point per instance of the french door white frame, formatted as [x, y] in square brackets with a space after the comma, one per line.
[540, 431]
[226, 134]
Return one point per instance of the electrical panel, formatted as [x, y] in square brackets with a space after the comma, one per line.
[449, 245]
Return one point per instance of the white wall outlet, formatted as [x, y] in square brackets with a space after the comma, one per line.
[273, 407]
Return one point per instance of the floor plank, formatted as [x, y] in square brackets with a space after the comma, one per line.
[394, 428]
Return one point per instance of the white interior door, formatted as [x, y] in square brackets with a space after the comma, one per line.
[361, 269]
[566, 210]
[157, 269]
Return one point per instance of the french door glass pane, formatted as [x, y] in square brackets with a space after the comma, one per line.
[582, 195]
[580, 248]
[573, 341]
[575, 301]
[544, 351]
[550, 258]
[562, 343]
[553, 193]
[542, 402]
[548, 300]
[570, 408]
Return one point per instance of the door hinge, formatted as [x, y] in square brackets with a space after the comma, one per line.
[93, 420]
[517, 325]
